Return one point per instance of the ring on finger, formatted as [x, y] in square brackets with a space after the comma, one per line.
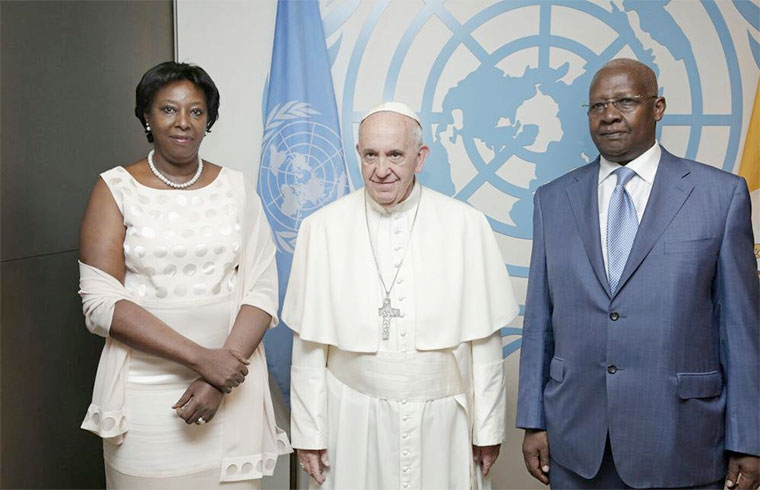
[200, 421]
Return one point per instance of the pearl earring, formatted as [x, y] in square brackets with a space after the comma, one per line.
[147, 127]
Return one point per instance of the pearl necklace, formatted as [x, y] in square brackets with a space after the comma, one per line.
[163, 178]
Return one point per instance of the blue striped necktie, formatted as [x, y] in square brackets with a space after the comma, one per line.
[622, 225]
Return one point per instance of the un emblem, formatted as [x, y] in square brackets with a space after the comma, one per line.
[302, 168]
[501, 89]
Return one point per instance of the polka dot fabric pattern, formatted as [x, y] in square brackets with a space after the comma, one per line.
[180, 245]
[192, 258]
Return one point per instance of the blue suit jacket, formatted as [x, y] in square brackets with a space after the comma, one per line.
[668, 366]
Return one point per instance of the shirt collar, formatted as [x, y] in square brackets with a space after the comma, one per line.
[409, 203]
[645, 165]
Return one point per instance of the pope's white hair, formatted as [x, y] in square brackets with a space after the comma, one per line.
[417, 134]
[404, 110]
[415, 130]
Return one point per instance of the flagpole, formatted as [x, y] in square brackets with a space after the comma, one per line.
[302, 166]
[293, 471]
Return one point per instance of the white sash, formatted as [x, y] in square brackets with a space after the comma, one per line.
[413, 376]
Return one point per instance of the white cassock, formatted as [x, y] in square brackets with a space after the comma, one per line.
[402, 412]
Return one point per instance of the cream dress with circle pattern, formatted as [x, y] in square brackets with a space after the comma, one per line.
[181, 250]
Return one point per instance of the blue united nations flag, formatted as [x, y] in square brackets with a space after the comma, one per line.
[302, 166]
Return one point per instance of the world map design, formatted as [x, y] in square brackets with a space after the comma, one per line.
[302, 168]
[533, 122]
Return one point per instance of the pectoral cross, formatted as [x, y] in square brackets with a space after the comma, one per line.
[387, 312]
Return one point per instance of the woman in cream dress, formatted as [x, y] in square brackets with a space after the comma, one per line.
[178, 273]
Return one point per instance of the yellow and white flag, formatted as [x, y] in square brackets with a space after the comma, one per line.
[750, 170]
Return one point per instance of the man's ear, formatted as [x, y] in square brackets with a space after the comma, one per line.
[659, 108]
[422, 155]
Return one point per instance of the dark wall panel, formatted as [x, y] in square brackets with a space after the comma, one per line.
[68, 75]
[48, 365]
[68, 71]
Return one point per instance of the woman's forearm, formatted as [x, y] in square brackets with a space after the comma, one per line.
[224, 368]
[250, 326]
[139, 329]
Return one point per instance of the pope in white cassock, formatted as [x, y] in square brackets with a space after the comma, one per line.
[396, 297]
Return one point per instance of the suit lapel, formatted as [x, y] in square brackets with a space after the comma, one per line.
[671, 188]
[583, 195]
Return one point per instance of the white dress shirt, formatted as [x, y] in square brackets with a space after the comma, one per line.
[639, 187]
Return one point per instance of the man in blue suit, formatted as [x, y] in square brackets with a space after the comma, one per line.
[639, 364]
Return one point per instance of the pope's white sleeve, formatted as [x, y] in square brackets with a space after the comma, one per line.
[308, 395]
[489, 389]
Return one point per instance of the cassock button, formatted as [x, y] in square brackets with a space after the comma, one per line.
[403, 333]
[404, 435]
[405, 452]
[405, 418]
[405, 469]
[406, 485]
[403, 401]
[614, 316]
[612, 369]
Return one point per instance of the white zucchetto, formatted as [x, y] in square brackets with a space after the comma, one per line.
[396, 107]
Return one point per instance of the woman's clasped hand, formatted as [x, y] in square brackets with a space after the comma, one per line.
[223, 368]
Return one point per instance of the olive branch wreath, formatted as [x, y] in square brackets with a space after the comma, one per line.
[285, 112]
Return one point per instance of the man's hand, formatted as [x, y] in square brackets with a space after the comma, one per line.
[200, 400]
[743, 472]
[536, 454]
[314, 462]
[485, 456]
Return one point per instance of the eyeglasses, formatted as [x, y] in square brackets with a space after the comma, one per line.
[629, 103]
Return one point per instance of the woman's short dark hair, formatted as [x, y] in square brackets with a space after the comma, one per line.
[168, 72]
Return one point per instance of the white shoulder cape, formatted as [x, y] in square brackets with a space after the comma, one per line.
[462, 288]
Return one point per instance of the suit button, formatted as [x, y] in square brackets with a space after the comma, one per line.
[611, 369]
[614, 316]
